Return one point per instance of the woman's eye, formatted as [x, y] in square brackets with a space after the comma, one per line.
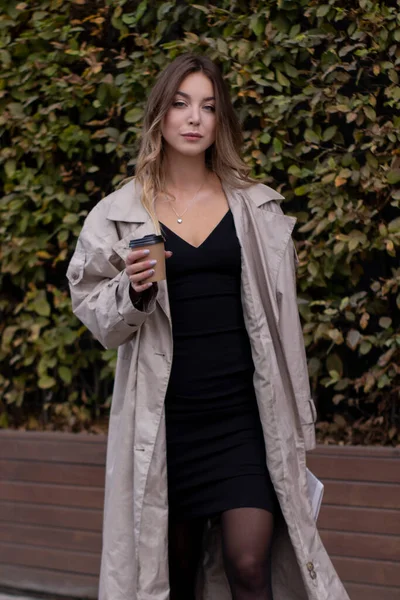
[179, 103]
[210, 108]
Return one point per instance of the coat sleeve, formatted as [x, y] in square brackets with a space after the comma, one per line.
[291, 335]
[100, 287]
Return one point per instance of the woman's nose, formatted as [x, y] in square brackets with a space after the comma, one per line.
[194, 118]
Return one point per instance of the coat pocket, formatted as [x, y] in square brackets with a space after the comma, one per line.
[76, 268]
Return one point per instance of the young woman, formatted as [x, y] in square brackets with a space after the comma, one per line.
[206, 493]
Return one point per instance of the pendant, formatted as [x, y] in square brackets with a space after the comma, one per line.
[179, 221]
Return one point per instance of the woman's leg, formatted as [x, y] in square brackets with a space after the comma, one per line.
[247, 537]
[184, 553]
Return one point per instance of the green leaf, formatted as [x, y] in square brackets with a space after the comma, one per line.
[46, 382]
[329, 133]
[334, 363]
[10, 167]
[370, 112]
[385, 322]
[282, 79]
[394, 226]
[393, 176]
[323, 10]
[134, 115]
[365, 347]
[311, 136]
[265, 138]
[302, 190]
[294, 170]
[40, 305]
[257, 24]
[66, 374]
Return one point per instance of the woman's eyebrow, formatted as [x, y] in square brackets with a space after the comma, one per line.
[179, 93]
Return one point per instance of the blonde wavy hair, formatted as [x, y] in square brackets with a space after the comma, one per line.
[223, 157]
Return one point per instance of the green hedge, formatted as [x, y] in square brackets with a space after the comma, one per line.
[316, 86]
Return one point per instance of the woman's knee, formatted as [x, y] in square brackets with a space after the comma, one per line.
[249, 572]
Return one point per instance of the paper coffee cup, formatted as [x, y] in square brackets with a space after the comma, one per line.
[154, 243]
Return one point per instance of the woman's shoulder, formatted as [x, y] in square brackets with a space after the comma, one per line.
[123, 204]
[263, 195]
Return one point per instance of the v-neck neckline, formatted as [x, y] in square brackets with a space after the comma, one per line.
[205, 239]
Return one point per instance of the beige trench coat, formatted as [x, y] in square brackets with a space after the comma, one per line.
[135, 553]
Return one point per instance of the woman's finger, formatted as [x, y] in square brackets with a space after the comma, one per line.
[139, 289]
[140, 267]
[135, 255]
[138, 278]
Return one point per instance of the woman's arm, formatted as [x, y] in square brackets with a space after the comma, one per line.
[101, 292]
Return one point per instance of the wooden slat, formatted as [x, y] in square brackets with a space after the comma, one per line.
[370, 451]
[379, 495]
[50, 558]
[54, 449]
[48, 581]
[62, 495]
[50, 537]
[56, 516]
[45, 472]
[360, 570]
[363, 520]
[356, 468]
[371, 592]
[362, 545]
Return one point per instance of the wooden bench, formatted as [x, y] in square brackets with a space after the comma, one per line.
[51, 500]
[360, 517]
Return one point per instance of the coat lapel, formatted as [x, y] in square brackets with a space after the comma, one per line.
[263, 230]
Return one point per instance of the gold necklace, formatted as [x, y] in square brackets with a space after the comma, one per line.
[179, 216]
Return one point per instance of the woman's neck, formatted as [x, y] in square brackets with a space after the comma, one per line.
[185, 173]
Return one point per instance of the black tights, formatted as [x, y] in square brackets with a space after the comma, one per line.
[246, 543]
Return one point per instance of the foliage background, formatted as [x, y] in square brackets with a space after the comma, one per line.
[316, 86]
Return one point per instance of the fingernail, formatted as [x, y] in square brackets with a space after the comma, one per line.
[150, 284]
[146, 252]
[152, 271]
[153, 262]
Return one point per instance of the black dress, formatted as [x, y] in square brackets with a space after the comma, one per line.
[215, 447]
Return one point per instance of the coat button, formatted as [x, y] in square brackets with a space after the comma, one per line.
[75, 275]
[313, 575]
[310, 566]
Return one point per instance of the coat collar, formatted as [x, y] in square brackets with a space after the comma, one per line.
[125, 204]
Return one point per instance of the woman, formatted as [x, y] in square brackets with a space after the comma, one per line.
[211, 416]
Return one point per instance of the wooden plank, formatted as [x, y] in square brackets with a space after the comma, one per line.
[54, 449]
[50, 537]
[371, 592]
[61, 495]
[362, 545]
[50, 558]
[45, 472]
[361, 570]
[48, 581]
[356, 468]
[378, 495]
[56, 516]
[363, 520]
[370, 451]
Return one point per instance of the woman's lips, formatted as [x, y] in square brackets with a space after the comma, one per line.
[192, 136]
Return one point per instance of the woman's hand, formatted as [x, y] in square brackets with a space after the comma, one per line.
[139, 269]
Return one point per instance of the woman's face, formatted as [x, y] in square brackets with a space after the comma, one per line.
[189, 125]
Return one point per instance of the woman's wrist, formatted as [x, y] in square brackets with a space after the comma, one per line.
[141, 299]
